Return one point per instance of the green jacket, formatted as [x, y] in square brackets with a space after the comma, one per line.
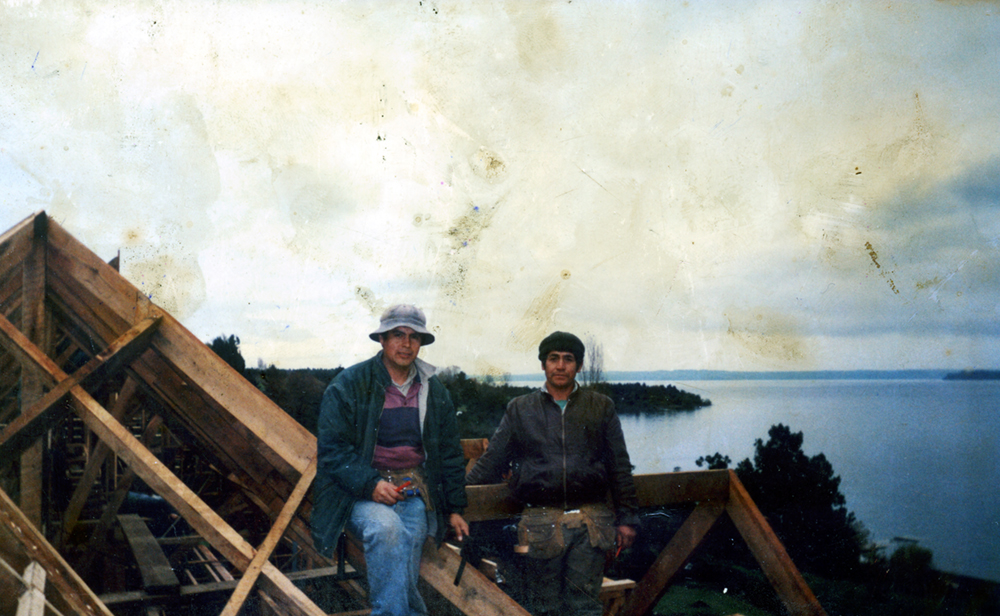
[348, 428]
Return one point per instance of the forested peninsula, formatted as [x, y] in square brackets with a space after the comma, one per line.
[479, 402]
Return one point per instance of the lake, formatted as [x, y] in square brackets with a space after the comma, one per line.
[917, 458]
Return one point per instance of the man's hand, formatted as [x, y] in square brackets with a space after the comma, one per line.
[386, 493]
[459, 525]
[626, 536]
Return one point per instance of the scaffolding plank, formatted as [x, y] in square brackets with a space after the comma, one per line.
[154, 567]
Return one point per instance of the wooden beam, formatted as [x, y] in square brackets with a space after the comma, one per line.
[476, 595]
[681, 488]
[154, 568]
[495, 502]
[35, 328]
[770, 554]
[270, 542]
[654, 584]
[73, 592]
[40, 416]
[93, 468]
[491, 502]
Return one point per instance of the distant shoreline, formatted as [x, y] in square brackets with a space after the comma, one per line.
[792, 375]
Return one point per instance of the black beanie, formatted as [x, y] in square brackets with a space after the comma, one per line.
[561, 341]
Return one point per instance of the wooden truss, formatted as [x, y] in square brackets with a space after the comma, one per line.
[100, 389]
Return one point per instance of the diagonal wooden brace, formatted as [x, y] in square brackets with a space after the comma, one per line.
[270, 542]
[39, 417]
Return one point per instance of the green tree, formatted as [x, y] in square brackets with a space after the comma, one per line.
[801, 499]
[228, 349]
[715, 462]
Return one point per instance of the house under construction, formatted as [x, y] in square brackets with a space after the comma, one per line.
[141, 474]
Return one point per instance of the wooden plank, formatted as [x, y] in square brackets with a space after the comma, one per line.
[285, 441]
[191, 592]
[154, 567]
[16, 242]
[491, 502]
[476, 595]
[32, 600]
[10, 291]
[770, 554]
[103, 288]
[495, 502]
[681, 488]
[235, 602]
[654, 584]
[40, 416]
[196, 512]
[73, 594]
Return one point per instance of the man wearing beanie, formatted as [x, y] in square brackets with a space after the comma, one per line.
[565, 448]
[390, 464]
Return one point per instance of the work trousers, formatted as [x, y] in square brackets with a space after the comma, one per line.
[568, 584]
[393, 539]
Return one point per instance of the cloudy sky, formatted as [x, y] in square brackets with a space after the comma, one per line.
[725, 185]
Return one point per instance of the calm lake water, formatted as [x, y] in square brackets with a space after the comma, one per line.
[917, 458]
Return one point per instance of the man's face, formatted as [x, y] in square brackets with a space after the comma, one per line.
[400, 347]
[560, 369]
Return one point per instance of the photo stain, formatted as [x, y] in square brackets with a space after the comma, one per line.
[933, 282]
[874, 257]
[872, 254]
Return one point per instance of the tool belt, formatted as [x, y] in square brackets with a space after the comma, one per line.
[540, 531]
[412, 482]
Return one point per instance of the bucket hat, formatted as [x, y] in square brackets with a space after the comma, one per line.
[404, 315]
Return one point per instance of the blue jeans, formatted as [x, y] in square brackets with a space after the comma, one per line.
[393, 538]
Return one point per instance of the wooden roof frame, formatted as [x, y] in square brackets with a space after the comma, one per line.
[51, 286]
[48, 275]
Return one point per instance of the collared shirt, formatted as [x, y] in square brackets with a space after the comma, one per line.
[562, 403]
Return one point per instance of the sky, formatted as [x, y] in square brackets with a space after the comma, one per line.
[728, 185]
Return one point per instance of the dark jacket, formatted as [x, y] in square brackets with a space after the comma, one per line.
[348, 428]
[561, 459]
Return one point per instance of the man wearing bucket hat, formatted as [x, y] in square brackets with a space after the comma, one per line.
[565, 448]
[390, 465]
